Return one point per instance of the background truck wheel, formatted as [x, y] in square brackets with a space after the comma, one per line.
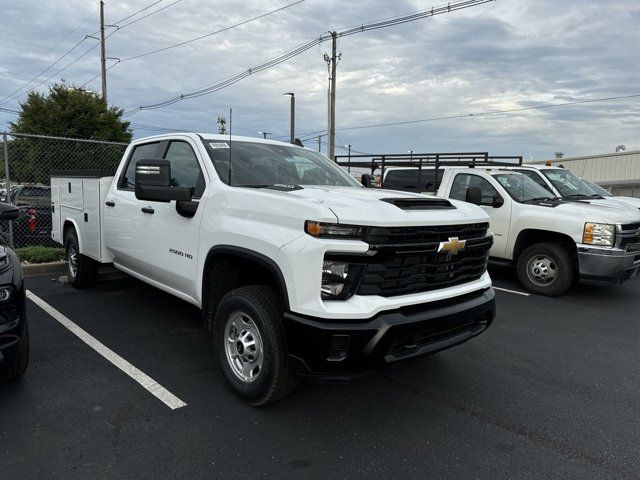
[19, 366]
[249, 341]
[81, 270]
[545, 269]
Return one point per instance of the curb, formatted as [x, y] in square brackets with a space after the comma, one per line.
[37, 269]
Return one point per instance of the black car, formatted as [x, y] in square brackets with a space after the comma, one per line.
[14, 332]
[33, 224]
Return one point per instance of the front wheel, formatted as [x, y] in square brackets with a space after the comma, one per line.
[250, 345]
[545, 269]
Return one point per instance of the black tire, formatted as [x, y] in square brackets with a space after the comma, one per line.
[81, 271]
[261, 311]
[19, 366]
[546, 260]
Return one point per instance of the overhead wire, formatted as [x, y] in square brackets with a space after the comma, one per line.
[433, 11]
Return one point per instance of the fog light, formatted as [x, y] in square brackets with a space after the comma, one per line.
[338, 348]
[5, 294]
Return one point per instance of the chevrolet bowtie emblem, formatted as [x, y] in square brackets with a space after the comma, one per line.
[452, 246]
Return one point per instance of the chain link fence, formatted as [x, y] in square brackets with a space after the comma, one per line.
[27, 163]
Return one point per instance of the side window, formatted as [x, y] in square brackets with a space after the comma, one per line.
[463, 181]
[185, 171]
[148, 150]
[536, 178]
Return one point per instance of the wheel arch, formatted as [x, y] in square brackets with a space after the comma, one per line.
[68, 224]
[265, 271]
[531, 236]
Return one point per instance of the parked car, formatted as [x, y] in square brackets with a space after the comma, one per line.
[33, 225]
[296, 267]
[14, 331]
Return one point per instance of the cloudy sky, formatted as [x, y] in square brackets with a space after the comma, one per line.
[498, 56]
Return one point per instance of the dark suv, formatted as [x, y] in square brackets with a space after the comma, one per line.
[33, 225]
[14, 333]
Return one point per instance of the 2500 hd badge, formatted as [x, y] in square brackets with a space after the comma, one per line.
[182, 254]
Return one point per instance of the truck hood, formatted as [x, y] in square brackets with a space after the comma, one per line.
[602, 212]
[365, 206]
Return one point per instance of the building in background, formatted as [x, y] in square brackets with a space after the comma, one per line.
[618, 172]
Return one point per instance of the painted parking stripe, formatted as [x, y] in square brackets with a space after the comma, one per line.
[153, 387]
[524, 294]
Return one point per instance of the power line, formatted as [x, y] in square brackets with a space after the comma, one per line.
[304, 47]
[244, 22]
[52, 47]
[120, 27]
[13, 95]
[9, 110]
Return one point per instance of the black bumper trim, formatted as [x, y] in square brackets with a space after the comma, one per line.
[388, 337]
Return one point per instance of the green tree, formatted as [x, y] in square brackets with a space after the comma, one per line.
[66, 111]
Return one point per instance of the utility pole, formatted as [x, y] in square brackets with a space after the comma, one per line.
[320, 141]
[293, 116]
[332, 104]
[349, 165]
[103, 57]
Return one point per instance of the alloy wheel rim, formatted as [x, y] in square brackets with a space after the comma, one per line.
[542, 270]
[243, 347]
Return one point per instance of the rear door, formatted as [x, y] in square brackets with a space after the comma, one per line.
[122, 216]
[170, 234]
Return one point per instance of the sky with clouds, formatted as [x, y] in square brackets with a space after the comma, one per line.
[502, 55]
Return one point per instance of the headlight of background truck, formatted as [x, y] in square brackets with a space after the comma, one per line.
[599, 234]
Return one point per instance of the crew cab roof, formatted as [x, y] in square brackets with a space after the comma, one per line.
[212, 137]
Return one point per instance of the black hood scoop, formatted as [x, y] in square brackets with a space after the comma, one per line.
[427, 203]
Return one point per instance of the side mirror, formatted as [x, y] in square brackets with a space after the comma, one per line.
[498, 201]
[8, 212]
[368, 180]
[473, 195]
[153, 182]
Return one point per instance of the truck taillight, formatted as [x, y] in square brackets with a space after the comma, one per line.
[32, 224]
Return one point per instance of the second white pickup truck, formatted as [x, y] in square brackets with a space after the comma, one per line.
[296, 266]
[553, 242]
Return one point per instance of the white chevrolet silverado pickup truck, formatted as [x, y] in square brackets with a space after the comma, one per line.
[297, 268]
[552, 241]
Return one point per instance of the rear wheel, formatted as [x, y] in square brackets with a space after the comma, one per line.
[250, 345]
[19, 366]
[545, 269]
[81, 270]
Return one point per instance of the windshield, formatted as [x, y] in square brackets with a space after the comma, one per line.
[256, 164]
[568, 184]
[598, 189]
[521, 188]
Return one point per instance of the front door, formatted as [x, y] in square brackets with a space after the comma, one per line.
[500, 216]
[168, 232]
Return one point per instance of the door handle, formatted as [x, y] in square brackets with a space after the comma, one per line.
[147, 210]
[109, 203]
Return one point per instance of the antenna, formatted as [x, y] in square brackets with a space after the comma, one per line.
[230, 126]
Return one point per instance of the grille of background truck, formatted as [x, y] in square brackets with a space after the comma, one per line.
[411, 262]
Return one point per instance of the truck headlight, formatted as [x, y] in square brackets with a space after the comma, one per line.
[333, 230]
[339, 279]
[5, 293]
[599, 234]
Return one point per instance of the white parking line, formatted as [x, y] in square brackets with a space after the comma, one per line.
[153, 387]
[524, 294]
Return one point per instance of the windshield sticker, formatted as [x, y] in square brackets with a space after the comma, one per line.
[218, 145]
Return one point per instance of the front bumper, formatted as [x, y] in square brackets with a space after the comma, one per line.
[343, 349]
[613, 265]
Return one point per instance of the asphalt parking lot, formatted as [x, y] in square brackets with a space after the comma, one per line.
[552, 390]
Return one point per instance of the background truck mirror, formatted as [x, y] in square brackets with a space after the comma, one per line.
[8, 212]
[473, 195]
[367, 180]
[153, 182]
